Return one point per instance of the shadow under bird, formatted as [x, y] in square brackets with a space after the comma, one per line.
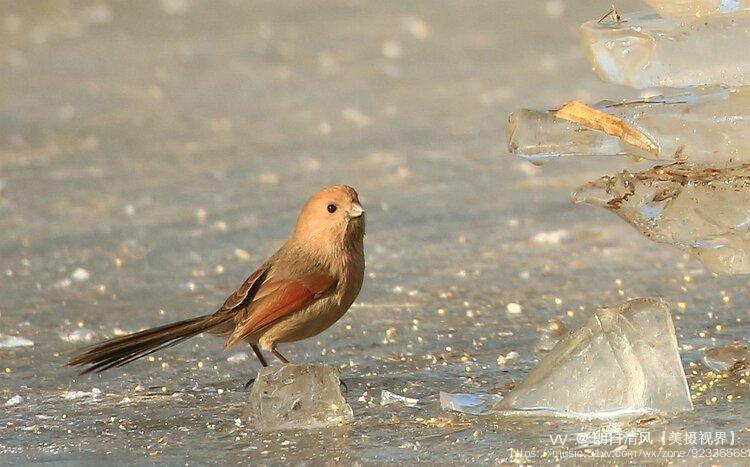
[300, 291]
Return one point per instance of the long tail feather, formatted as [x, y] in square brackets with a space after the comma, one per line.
[123, 350]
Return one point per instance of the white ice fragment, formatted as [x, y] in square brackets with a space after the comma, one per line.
[388, 398]
[77, 335]
[473, 404]
[80, 275]
[73, 395]
[513, 308]
[297, 397]
[238, 357]
[554, 237]
[15, 400]
[723, 358]
[9, 342]
[242, 255]
[624, 361]
[697, 9]
[645, 50]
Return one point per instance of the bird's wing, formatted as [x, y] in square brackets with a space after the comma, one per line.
[247, 291]
[277, 299]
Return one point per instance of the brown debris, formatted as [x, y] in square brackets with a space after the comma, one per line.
[578, 112]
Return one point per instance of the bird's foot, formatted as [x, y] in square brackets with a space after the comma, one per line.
[249, 383]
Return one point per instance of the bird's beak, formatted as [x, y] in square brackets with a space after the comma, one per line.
[356, 211]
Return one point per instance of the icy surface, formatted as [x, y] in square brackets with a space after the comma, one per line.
[706, 125]
[702, 210]
[697, 9]
[625, 360]
[645, 50]
[297, 397]
[723, 358]
[472, 404]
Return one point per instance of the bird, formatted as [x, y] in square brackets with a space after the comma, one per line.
[299, 292]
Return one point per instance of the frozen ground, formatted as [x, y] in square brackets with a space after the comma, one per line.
[164, 150]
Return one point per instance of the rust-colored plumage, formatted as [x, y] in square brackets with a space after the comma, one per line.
[305, 287]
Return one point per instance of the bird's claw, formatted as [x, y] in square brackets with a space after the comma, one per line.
[249, 383]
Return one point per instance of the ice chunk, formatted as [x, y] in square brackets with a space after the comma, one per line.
[77, 335]
[297, 396]
[623, 361]
[388, 398]
[709, 124]
[691, 9]
[238, 357]
[13, 401]
[645, 50]
[706, 211]
[73, 395]
[550, 335]
[723, 358]
[9, 342]
[473, 404]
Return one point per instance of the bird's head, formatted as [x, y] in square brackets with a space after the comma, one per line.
[332, 219]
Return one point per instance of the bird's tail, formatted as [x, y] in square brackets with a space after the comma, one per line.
[123, 350]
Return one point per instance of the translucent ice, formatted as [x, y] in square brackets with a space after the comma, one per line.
[623, 361]
[473, 404]
[297, 396]
[645, 50]
[692, 9]
[9, 342]
[706, 211]
[723, 358]
[709, 124]
[388, 398]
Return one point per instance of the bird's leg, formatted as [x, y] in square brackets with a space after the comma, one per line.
[261, 359]
[260, 356]
[276, 354]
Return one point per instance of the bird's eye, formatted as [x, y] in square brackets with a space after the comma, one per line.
[332, 208]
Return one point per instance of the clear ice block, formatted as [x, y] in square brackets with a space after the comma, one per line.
[705, 211]
[707, 125]
[645, 50]
[296, 397]
[472, 404]
[693, 9]
[624, 361]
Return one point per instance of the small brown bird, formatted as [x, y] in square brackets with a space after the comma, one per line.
[305, 287]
